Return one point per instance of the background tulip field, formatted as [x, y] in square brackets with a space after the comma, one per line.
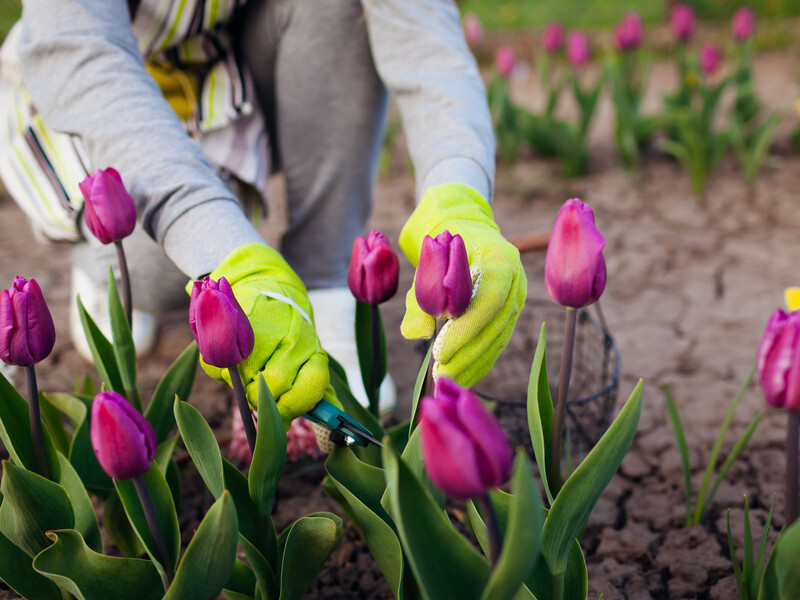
[692, 279]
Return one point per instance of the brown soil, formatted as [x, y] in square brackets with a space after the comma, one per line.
[690, 287]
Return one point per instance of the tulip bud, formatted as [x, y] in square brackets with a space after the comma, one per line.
[473, 30]
[553, 37]
[710, 59]
[108, 209]
[374, 269]
[682, 22]
[778, 361]
[577, 49]
[464, 449]
[123, 440]
[629, 33]
[443, 283]
[743, 24]
[222, 331]
[574, 268]
[27, 333]
[504, 61]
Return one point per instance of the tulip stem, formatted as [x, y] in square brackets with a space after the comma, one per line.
[159, 545]
[244, 408]
[125, 282]
[792, 467]
[430, 387]
[560, 408]
[36, 422]
[373, 394]
[492, 528]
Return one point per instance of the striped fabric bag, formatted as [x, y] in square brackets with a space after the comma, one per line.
[189, 53]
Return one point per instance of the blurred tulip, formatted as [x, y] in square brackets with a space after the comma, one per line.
[578, 53]
[222, 331]
[743, 24]
[109, 211]
[374, 269]
[123, 440]
[27, 333]
[443, 283]
[574, 268]
[710, 59]
[629, 33]
[682, 22]
[473, 29]
[464, 449]
[778, 361]
[553, 37]
[504, 61]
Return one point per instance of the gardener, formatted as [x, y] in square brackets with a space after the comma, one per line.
[196, 102]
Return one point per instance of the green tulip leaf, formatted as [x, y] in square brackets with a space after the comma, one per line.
[124, 350]
[269, 456]
[262, 570]
[16, 571]
[361, 486]
[15, 431]
[177, 381]
[412, 457]
[241, 582]
[81, 454]
[308, 544]
[573, 505]
[522, 534]
[119, 529]
[540, 411]
[398, 436]
[364, 347]
[165, 512]
[247, 515]
[202, 446]
[32, 505]
[419, 384]
[575, 576]
[231, 595]
[445, 564]
[55, 424]
[787, 562]
[208, 562]
[87, 575]
[102, 351]
[85, 518]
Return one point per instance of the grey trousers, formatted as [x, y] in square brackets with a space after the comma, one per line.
[324, 105]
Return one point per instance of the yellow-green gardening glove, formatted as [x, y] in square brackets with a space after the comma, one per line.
[468, 345]
[287, 350]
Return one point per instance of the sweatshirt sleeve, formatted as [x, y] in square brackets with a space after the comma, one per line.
[82, 67]
[422, 58]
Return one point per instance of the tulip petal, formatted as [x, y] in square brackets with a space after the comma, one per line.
[493, 452]
[433, 261]
[457, 281]
[122, 439]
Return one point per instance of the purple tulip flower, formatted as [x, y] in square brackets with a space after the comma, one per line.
[629, 33]
[109, 210]
[504, 61]
[473, 30]
[123, 440]
[374, 269]
[682, 22]
[778, 361]
[553, 37]
[464, 449]
[222, 331]
[710, 59]
[578, 53]
[443, 283]
[574, 268]
[27, 333]
[743, 24]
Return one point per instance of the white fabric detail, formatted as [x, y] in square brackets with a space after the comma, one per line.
[287, 300]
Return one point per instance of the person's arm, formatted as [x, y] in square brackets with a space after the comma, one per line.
[422, 58]
[86, 77]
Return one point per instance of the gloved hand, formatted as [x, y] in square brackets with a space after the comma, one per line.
[287, 350]
[469, 345]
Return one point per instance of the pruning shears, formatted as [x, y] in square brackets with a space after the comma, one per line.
[344, 429]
